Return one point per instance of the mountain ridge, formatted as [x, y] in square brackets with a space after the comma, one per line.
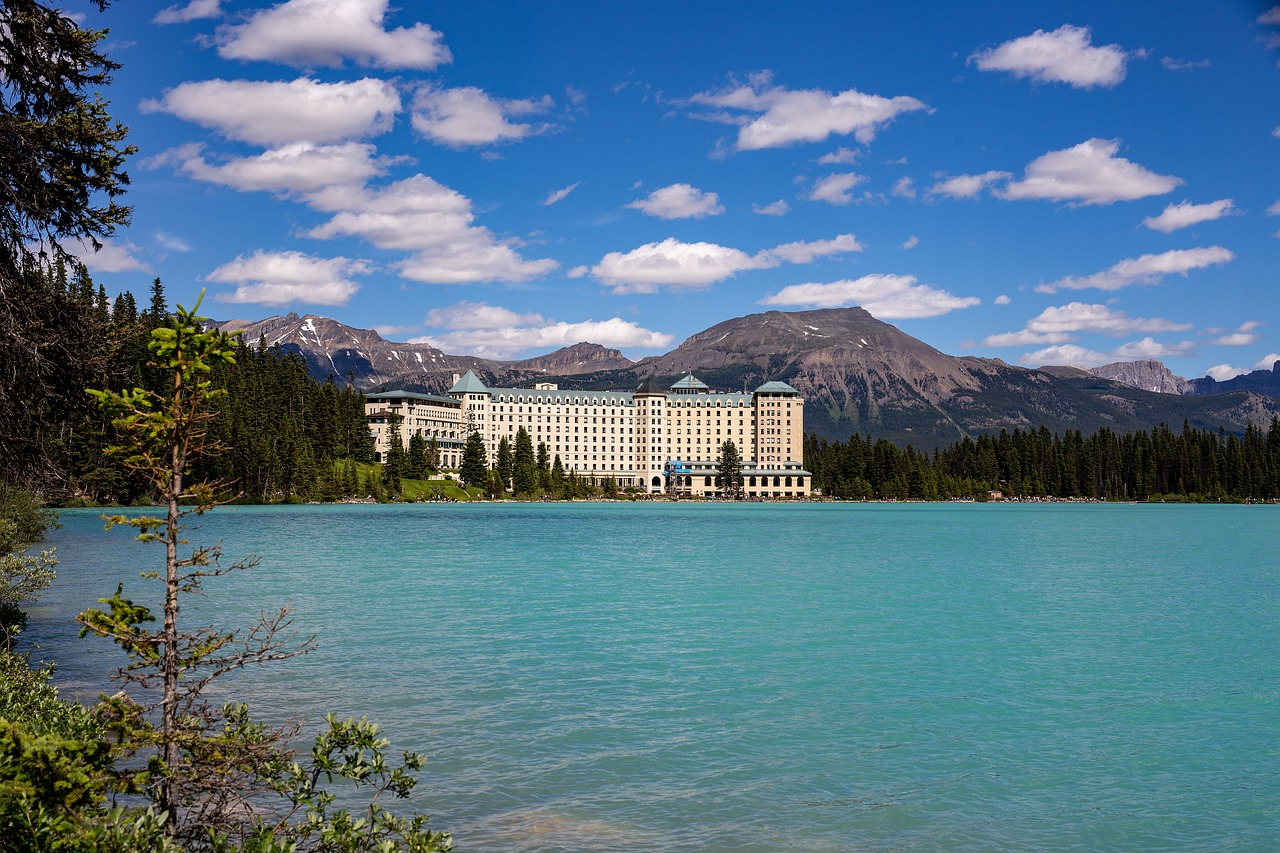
[857, 374]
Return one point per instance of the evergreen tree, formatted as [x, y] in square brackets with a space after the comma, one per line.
[417, 462]
[729, 471]
[524, 475]
[505, 464]
[474, 470]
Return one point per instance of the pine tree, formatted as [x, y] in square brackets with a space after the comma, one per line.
[729, 471]
[505, 464]
[474, 471]
[524, 476]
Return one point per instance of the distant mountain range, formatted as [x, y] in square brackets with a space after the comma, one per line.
[857, 373]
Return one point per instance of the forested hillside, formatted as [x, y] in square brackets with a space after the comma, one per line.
[1194, 464]
[282, 430]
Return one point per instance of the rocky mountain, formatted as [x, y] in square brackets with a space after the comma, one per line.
[1147, 375]
[1259, 381]
[857, 374]
[329, 347]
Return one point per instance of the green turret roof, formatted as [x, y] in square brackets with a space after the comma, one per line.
[469, 384]
[690, 382]
[776, 387]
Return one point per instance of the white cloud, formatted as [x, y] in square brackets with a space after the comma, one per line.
[195, 10]
[1242, 337]
[1184, 64]
[1267, 362]
[1186, 214]
[1146, 269]
[1271, 16]
[491, 331]
[804, 252]
[306, 33]
[887, 297]
[679, 201]
[1147, 348]
[904, 187]
[114, 256]
[967, 186]
[1088, 173]
[774, 117]
[301, 168]
[434, 222]
[388, 330]
[469, 116]
[777, 208]
[1274, 209]
[477, 315]
[1002, 299]
[911, 242]
[171, 242]
[834, 189]
[1223, 372]
[841, 155]
[279, 278]
[559, 195]
[676, 264]
[303, 110]
[1062, 56]
[1058, 325]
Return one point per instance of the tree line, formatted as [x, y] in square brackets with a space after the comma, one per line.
[288, 436]
[1191, 464]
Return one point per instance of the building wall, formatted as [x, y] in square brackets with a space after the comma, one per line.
[628, 436]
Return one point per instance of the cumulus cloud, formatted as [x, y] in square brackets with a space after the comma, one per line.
[267, 113]
[967, 186]
[1267, 362]
[911, 242]
[1060, 324]
[193, 11]
[1271, 16]
[469, 116]
[306, 33]
[904, 187]
[1146, 269]
[279, 278]
[1065, 55]
[805, 252]
[1079, 356]
[559, 195]
[887, 297]
[1088, 173]
[679, 201]
[1223, 372]
[434, 222]
[301, 168]
[772, 116]
[113, 256]
[1186, 214]
[680, 265]
[834, 189]
[491, 331]
[1274, 209]
[841, 155]
[776, 208]
[1241, 337]
[1002, 299]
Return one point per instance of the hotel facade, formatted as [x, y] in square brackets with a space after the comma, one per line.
[660, 440]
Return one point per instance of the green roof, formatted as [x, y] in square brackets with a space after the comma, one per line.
[689, 381]
[469, 384]
[776, 387]
[379, 396]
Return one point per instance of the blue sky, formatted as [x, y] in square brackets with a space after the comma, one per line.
[1068, 183]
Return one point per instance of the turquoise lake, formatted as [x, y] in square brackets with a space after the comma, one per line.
[720, 677]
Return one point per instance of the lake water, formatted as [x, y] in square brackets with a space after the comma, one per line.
[755, 678]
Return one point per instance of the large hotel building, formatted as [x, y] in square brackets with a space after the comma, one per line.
[661, 440]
